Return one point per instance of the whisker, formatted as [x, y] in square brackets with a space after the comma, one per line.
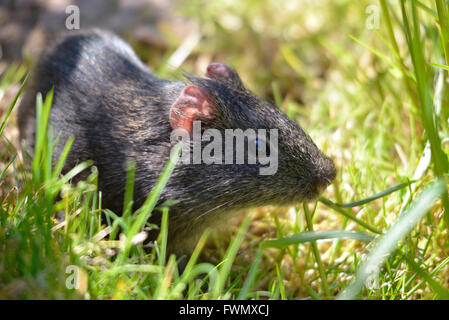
[219, 206]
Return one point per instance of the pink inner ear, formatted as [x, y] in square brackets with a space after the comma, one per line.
[218, 71]
[192, 104]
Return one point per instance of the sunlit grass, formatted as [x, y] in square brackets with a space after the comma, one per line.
[372, 99]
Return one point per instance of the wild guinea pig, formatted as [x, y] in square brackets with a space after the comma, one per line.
[118, 110]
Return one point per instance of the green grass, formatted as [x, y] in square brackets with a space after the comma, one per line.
[373, 99]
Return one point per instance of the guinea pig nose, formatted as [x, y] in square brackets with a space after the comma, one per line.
[326, 174]
[322, 184]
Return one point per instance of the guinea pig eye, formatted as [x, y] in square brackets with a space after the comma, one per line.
[258, 146]
[259, 143]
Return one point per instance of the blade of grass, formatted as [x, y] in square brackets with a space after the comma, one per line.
[60, 164]
[294, 62]
[414, 41]
[342, 211]
[425, 160]
[431, 274]
[377, 53]
[13, 103]
[128, 268]
[387, 243]
[444, 26]
[437, 288]
[316, 253]
[280, 279]
[427, 9]
[304, 237]
[42, 116]
[145, 211]
[442, 66]
[376, 196]
[7, 166]
[312, 293]
[403, 68]
[231, 253]
[249, 282]
[186, 275]
[129, 190]
[163, 236]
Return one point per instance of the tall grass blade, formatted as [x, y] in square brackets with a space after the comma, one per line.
[342, 211]
[401, 228]
[145, 211]
[225, 268]
[13, 103]
[7, 166]
[427, 112]
[437, 288]
[376, 196]
[305, 237]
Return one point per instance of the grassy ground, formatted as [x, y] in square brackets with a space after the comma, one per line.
[370, 89]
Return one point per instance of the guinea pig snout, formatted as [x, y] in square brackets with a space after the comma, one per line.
[325, 174]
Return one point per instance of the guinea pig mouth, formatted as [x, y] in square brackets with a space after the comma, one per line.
[322, 185]
[325, 174]
[317, 188]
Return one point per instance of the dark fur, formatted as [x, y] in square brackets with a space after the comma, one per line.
[118, 110]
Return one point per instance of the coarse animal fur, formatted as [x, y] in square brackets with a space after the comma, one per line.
[118, 110]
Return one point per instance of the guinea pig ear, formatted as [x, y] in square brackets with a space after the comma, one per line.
[220, 71]
[192, 104]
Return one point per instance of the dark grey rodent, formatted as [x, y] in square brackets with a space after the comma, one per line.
[118, 110]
